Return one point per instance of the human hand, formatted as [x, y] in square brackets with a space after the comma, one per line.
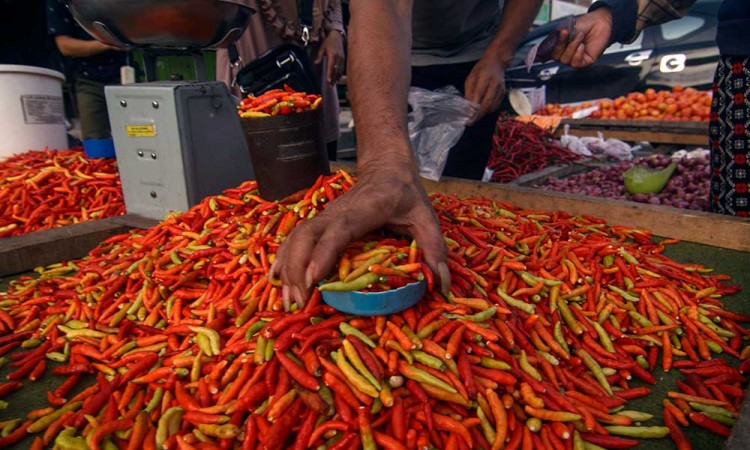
[593, 32]
[389, 195]
[333, 50]
[485, 85]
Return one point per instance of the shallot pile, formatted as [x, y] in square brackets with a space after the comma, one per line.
[688, 188]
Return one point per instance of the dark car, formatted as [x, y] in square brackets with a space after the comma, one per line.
[681, 52]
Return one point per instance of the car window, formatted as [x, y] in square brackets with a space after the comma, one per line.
[617, 47]
[678, 29]
[523, 50]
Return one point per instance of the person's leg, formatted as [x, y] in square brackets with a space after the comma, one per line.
[92, 110]
[468, 158]
[730, 137]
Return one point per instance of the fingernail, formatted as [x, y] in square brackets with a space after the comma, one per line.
[285, 298]
[272, 270]
[309, 275]
[445, 278]
[300, 303]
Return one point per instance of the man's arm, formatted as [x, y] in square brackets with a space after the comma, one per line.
[486, 82]
[78, 48]
[610, 21]
[388, 192]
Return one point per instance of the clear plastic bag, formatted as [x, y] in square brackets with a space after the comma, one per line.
[436, 123]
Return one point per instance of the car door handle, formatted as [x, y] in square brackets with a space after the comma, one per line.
[546, 74]
[637, 58]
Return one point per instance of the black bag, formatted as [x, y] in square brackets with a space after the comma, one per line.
[286, 64]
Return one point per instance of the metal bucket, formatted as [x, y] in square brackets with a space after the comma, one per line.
[288, 152]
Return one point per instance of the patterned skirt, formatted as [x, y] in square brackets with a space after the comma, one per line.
[730, 137]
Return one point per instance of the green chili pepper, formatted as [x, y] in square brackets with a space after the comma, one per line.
[481, 316]
[490, 363]
[642, 321]
[155, 400]
[625, 295]
[356, 284]
[603, 337]
[430, 328]
[595, 369]
[523, 361]
[351, 353]
[636, 415]
[254, 328]
[260, 349]
[169, 424]
[421, 376]
[557, 332]
[528, 308]
[412, 337]
[721, 418]
[712, 409]
[638, 432]
[393, 345]
[487, 429]
[630, 259]
[568, 317]
[428, 360]
[348, 329]
[578, 443]
[55, 356]
[67, 440]
[269, 349]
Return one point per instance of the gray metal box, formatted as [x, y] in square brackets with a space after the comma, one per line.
[176, 143]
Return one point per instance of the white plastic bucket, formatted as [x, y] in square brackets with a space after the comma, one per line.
[32, 113]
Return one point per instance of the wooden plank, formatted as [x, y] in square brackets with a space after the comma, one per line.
[655, 131]
[656, 137]
[22, 253]
[673, 126]
[715, 230]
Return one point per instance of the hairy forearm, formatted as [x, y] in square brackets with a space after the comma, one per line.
[78, 48]
[379, 76]
[515, 22]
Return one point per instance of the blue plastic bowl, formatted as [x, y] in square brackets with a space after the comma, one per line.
[376, 303]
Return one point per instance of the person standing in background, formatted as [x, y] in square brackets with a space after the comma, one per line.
[93, 65]
[610, 21]
[276, 22]
[450, 42]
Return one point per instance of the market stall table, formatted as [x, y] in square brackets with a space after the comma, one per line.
[670, 223]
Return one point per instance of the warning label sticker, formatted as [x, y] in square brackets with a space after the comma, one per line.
[43, 109]
[140, 130]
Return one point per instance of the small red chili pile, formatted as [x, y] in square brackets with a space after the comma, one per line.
[519, 148]
[278, 102]
[47, 189]
[378, 266]
[178, 339]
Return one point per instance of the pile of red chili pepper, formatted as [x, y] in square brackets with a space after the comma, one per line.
[519, 148]
[550, 320]
[278, 102]
[40, 190]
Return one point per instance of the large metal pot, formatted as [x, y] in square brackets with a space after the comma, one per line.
[170, 24]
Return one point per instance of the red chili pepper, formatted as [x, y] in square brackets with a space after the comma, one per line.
[711, 425]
